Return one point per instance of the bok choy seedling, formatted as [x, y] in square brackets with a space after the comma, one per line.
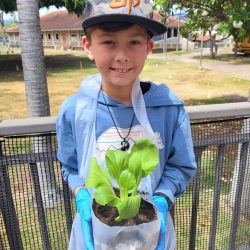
[127, 169]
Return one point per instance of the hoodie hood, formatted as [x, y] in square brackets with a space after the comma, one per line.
[157, 95]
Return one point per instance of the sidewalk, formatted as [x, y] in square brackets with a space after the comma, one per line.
[233, 67]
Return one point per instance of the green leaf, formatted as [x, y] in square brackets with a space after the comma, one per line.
[128, 208]
[97, 176]
[126, 182]
[116, 162]
[127, 169]
[135, 167]
[104, 195]
[144, 152]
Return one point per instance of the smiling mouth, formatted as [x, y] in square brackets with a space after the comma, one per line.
[120, 70]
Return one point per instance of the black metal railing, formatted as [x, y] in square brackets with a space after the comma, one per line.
[37, 208]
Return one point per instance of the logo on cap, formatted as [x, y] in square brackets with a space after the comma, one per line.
[123, 3]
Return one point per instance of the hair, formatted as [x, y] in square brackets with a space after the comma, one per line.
[112, 27]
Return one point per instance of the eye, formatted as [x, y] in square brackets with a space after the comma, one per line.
[108, 42]
[135, 42]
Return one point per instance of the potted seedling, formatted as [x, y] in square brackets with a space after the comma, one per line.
[121, 218]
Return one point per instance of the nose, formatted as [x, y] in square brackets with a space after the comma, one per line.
[122, 55]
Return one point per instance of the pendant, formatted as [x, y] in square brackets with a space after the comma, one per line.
[125, 145]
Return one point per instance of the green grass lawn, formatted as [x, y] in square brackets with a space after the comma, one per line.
[64, 75]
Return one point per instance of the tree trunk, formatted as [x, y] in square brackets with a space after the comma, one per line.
[165, 36]
[212, 39]
[2, 27]
[33, 58]
[37, 97]
[236, 47]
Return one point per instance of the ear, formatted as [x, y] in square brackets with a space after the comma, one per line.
[87, 47]
[150, 45]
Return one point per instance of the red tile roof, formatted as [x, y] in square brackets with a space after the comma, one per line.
[157, 16]
[13, 30]
[173, 22]
[57, 20]
[62, 20]
[201, 37]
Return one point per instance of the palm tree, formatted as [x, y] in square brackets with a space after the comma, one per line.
[33, 58]
[37, 97]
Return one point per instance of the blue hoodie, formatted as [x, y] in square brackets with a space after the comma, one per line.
[168, 120]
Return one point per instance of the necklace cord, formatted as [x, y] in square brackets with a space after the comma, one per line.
[130, 127]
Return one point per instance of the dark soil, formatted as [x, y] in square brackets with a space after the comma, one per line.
[108, 214]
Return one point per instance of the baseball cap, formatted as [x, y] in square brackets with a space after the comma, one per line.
[132, 11]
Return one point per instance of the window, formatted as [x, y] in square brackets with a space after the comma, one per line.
[42, 36]
[57, 36]
[73, 38]
[49, 36]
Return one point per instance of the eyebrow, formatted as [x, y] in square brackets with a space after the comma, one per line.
[139, 34]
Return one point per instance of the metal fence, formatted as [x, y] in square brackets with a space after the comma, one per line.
[37, 208]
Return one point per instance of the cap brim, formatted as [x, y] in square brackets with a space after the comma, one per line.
[155, 27]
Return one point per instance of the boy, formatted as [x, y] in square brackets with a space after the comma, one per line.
[113, 109]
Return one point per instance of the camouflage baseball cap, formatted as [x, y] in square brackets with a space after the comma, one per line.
[133, 11]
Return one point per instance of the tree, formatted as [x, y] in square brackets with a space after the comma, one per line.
[205, 16]
[33, 62]
[2, 28]
[217, 11]
[8, 5]
[164, 7]
[37, 97]
[76, 6]
[33, 58]
[238, 24]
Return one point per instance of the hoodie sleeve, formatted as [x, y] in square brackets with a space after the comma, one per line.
[66, 150]
[180, 166]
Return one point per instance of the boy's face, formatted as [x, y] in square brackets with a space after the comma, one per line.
[119, 56]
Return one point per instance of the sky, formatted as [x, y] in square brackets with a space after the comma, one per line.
[44, 11]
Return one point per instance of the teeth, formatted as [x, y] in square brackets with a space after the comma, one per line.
[122, 70]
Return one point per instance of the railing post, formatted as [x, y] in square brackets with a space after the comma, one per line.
[7, 208]
[50, 192]
[238, 195]
[195, 197]
[40, 208]
[217, 190]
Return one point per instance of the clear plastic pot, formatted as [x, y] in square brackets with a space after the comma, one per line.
[143, 236]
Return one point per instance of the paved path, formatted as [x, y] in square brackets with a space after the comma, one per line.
[239, 67]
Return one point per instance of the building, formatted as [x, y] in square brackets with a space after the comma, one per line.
[173, 40]
[206, 39]
[173, 25]
[62, 30]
